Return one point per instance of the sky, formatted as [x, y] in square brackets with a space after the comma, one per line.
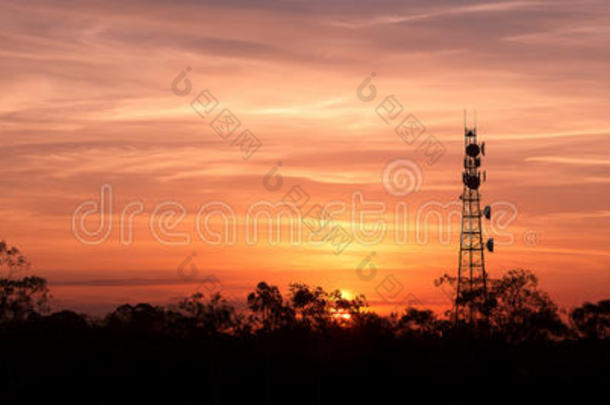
[120, 98]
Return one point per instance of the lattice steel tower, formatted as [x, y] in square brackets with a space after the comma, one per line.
[471, 267]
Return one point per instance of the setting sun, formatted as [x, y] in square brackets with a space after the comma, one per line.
[347, 294]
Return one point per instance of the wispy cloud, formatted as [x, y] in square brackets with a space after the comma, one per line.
[568, 160]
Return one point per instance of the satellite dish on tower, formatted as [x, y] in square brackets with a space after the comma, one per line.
[483, 148]
[472, 150]
[490, 244]
[473, 182]
[487, 212]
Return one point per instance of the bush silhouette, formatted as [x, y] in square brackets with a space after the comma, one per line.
[592, 321]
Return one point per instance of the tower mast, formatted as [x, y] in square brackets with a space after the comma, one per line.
[472, 278]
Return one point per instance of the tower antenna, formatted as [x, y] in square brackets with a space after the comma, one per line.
[475, 119]
[464, 119]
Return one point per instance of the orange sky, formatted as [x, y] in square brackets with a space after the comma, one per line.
[88, 101]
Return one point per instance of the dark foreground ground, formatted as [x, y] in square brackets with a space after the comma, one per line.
[88, 366]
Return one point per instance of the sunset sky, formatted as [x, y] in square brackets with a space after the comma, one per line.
[88, 101]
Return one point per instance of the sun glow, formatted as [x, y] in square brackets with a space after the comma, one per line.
[348, 295]
[340, 315]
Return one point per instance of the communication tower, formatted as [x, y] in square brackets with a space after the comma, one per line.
[472, 279]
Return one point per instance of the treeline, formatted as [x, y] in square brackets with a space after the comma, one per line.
[306, 346]
[514, 310]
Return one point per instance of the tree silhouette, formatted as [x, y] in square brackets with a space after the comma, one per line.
[416, 321]
[521, 311]
[310, 305]
[139, 318]
[471, 304]
[12, 261]
[20, 299]
[513, 306]
[318, 309]
[267, 303]
[212, 316]
[352, 307]
[592, 321]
